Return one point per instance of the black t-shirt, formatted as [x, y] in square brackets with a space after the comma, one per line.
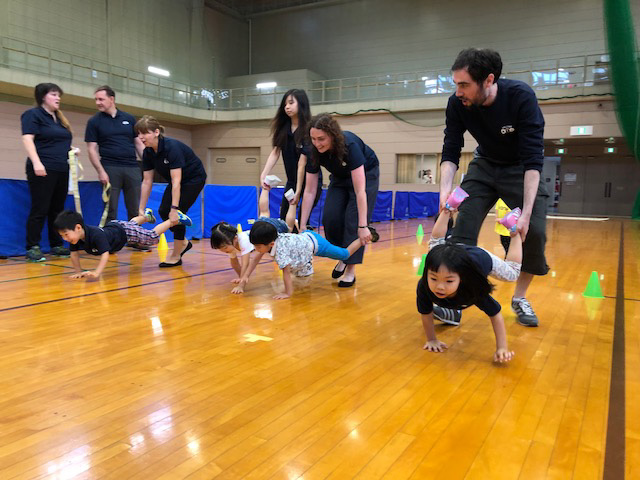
[52, 140]
[509, 131]
[291, 156]
[115, 138]
[358, 154]
[426, 298]
[174, 154]
[111, 238]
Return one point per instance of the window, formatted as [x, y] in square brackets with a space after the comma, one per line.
[416, 168]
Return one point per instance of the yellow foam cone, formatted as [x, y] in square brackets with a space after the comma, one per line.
[239, 228]
[162, 243]
[420, 230]
[163, 248]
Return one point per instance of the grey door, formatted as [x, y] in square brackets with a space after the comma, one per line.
[572, 185]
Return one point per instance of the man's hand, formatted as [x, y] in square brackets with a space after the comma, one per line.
[435, 346]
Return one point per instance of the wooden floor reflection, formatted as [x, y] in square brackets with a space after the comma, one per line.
[163, 373]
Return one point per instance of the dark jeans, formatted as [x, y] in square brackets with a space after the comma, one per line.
[340, 215]
[188, 195]
[48, 195]
[485, 182]
[129, 181]
[284, 205]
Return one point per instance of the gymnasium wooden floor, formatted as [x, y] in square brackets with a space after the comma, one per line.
[163, 374]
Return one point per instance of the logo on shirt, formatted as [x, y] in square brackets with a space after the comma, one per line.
[507, 129]
[125, 122]
[166, 162]
[94, 250]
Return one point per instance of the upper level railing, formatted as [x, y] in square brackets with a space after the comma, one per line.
[565, 73]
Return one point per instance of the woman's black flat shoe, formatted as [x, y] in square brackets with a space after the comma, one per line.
[186, 249]
[337, 273]
[169, 265]
[343, 284]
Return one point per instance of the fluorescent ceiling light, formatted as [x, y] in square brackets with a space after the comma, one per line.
[266, 85]
[158, 71]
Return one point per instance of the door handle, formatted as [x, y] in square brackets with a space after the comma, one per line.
[605, 189]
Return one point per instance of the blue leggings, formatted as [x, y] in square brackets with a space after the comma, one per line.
[324, 248]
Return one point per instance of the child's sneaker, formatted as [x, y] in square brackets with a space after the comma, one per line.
[449, 316]
[510, 220]
[60, 251]
[34, 254]
[150, 216]
[374, 234]
[184, 219]
[272, 180]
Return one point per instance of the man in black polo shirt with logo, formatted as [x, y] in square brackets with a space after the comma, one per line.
[505, 119]
[112, 145]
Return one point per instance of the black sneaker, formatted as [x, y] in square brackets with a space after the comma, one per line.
[60, 251]
[524, 312]
[374, 235]
[447, 315]
[34, 254]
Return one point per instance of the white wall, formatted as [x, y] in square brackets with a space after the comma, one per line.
[380, 36]
[197, 45]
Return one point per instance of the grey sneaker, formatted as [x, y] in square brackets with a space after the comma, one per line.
[34, 254]
[524, 313]
[60, 251]
[447, 315]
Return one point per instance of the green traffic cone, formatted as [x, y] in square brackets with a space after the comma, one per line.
[422, 262]
[593, 289]
[420, 230]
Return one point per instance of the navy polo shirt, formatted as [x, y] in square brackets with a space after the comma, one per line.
[174, 154]
[52, 140]
[358, 154]
[426, 298]
[111, 238]
[114, 136]
[509, 131]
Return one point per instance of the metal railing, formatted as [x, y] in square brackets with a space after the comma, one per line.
[565, 73]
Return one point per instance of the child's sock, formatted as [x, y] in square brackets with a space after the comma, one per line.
[517, 299]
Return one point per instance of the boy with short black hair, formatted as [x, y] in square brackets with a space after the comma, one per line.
[294, 252]
[110, 238]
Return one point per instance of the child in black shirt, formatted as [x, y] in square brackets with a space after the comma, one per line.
[455, 276]
[111, 238]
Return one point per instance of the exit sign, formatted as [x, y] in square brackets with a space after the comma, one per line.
[582, 130]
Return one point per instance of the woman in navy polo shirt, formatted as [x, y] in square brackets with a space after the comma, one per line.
[352, 192]
[178, 165]
[46, 136]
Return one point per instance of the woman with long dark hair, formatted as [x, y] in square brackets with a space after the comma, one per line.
[352, 192]
[289, 138]
[46, 136]
[178, 165]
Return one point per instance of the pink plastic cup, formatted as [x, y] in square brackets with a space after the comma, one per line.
[456, 198]
[510, 219]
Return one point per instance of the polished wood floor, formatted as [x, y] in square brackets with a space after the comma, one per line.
[164, 374]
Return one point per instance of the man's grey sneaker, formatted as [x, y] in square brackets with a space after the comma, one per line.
[34, 254]
[60, 251]
[524, 313]
[447, 315]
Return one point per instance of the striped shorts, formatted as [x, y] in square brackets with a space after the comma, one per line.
[137, 234]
